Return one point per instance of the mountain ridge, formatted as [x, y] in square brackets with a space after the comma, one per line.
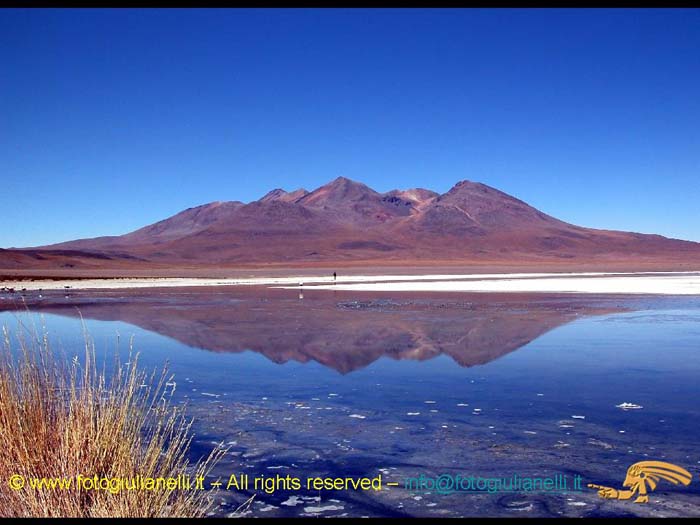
[348, 221]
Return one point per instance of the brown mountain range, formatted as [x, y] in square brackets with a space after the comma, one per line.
[346, 222]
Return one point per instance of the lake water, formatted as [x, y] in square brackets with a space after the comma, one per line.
[404, 385]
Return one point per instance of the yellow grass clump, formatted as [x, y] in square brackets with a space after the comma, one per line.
[63, 417]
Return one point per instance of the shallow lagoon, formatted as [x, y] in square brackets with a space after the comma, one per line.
[350, 384]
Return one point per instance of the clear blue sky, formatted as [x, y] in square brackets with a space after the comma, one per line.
[110, 120]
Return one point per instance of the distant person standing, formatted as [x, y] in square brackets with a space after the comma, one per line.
[334, 276]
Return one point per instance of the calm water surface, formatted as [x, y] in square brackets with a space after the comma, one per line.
[343, 385]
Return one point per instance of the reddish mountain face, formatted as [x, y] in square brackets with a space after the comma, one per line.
[347, 221]
[279, 194]
[471, 210]
[349, 203]
[492, 209]
[417, 198]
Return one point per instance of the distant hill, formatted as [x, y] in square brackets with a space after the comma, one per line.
[348, 222]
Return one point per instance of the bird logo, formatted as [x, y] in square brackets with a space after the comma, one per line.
[642, 478]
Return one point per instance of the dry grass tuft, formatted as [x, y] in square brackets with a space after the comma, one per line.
[61, 417]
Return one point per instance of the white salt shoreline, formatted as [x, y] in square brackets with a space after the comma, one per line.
[664, 283]
[625, 285]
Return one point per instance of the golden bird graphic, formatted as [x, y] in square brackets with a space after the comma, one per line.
[644, 473]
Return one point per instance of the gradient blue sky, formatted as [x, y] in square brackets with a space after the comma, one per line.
[110, 120]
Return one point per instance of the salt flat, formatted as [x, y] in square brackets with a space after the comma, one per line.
[672, 284]
[666, 283]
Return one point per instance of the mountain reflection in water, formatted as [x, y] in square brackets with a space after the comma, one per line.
[337, 330]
